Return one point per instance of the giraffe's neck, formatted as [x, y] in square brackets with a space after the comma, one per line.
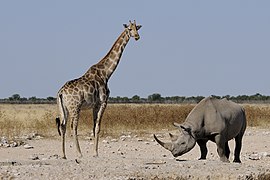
[106, 66]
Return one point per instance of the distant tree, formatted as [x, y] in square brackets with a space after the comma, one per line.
[256, 97]
[135, 98]
[217, 97]
[118, 99]
[24, 99]
[51, 98]
[155, 97]
[199, 98]
[125, 99]
[227, 97]
[33, 98]
[175, 99]
[15, 97]
[242, 98]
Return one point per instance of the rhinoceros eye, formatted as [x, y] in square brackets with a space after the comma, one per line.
[183, 143]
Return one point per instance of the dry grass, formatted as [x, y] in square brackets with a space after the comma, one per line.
[258, 114]
[16, 120]
[139, 118]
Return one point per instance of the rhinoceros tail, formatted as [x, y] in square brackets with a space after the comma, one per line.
[244, 120]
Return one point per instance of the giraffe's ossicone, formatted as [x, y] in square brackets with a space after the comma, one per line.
[91, 89]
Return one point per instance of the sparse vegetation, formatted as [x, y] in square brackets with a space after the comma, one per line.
[18, 119]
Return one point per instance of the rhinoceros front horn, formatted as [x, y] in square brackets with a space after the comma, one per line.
[167, 146]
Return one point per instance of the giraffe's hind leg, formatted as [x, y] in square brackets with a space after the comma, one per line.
[75, 118]
[63, 132]
[95, 112]
[99, 114]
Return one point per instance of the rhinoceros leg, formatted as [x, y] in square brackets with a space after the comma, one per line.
[238, 146]
[227, 150]
[203, 148]
[221, 148]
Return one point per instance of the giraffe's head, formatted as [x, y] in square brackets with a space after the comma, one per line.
[133, 29]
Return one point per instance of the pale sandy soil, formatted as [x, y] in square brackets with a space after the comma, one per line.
[133, 157]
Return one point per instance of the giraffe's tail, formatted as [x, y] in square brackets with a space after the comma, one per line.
[57, 120]
[62, 112]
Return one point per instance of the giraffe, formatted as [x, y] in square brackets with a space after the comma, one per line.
[91, 89]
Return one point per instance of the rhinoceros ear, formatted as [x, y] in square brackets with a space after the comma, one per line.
[177, 125]
[186, 129]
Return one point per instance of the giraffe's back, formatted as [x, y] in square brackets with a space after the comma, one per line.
[82, 90]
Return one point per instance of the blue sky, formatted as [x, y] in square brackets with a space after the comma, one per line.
[187, 48]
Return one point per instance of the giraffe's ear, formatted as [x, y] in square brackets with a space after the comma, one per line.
[138, 27]
[125, 25]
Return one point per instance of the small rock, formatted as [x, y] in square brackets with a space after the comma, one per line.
[120, 152]
[38, 137]
[139, 140]
[266, 133]
[255, 157]
[114, 140]
[17, 174]
[33, 135]
[34, 157]
[264, 154]
[105, 141]
[4, 140]
[27, 146]
[88, 138]
[107, 146]
[258, 156]
[14, 144]
[6, 145]
[146, 167]
[55, 156]
[123, 138]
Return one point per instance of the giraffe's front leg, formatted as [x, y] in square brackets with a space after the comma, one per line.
[97, 127]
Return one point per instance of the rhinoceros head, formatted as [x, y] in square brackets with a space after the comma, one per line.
[181, 144]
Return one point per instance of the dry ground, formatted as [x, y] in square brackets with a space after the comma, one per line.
[126, 149]
[132, 157]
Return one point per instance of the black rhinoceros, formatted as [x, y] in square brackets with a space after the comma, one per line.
[217, 120]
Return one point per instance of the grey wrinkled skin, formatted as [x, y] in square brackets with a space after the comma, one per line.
[217, 120]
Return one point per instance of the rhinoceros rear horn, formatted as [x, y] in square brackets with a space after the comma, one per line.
[167, 146]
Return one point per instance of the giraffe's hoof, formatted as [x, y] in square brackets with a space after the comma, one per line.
[64, 157]
[95, 156]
